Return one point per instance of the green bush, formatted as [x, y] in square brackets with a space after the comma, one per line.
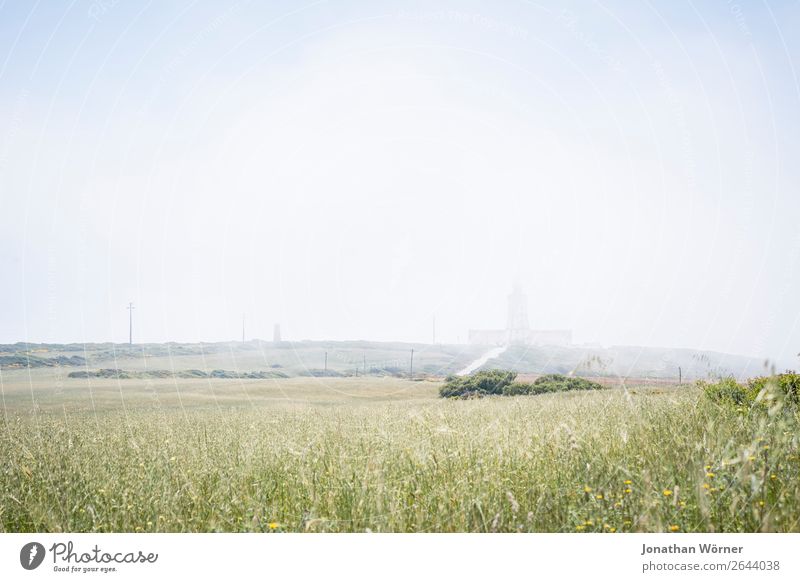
[479, 384]
[518, 389]
[725, 391]
[501, 382]
[757, 392]
[551, 383]
[785, 386]
[559, 383]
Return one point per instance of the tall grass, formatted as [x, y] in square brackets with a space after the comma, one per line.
[602, 461]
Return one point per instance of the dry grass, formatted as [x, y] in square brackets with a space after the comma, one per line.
[347, 455]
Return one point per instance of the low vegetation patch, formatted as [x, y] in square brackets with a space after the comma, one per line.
[321, 373]
[482, 383]
[764, 392]
[551, 383]
[501, 382]
[26, 360]
[186, 374]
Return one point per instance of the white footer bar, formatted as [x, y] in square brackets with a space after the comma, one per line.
[620, 557]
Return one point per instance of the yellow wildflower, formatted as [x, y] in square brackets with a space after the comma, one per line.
[667, 492]
[274, 525]
[674, 528]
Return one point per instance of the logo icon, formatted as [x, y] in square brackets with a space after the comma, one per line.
[31, 555]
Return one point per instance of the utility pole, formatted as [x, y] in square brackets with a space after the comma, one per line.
[411, 367]
[130, 309]
[680, 378]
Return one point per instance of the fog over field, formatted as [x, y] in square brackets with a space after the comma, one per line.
[354, 172]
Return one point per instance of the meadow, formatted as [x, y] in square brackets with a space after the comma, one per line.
[386, 455]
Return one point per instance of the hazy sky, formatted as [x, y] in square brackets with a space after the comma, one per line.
[350, 169]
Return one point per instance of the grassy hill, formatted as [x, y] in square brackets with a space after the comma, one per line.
[351, 358]
[626, 362]
[292, 358]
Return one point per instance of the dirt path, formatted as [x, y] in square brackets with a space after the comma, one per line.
[490, 355]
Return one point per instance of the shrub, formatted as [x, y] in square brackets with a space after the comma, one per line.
[726, 391]
[559, 383]
[551, 383]
[479, 384]
[758, 392]
[785, 386]
[518, 389]
[501, 382]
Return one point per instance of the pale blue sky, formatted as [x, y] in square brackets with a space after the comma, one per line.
[351, 168]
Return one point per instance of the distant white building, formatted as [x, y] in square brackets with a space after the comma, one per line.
[517, 331]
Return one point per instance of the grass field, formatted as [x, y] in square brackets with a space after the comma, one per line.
[384, 454]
